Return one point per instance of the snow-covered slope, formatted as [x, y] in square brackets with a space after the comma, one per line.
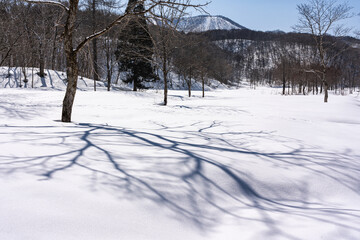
[242, 164]
[204, 23]
[56, 80]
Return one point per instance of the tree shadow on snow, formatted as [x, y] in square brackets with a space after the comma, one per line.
[201, 176]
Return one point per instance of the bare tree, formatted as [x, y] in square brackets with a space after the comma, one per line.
[321, 18]
[164, 36]
[72, 49]
[357, 32]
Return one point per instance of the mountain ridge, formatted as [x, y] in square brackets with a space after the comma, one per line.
[203, 23]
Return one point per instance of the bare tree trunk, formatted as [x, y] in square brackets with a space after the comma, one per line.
[165, 84]
[326, 97]
[20, 78]
[72, 69]
[32, 77]
[72, 77]
[108, 82]
[54, 49]
[25, 77]
[283, 77]
[108, 66]
[324, 84]
[94, 43]
[134, 85]
[321, 87]
[189, 86]
[189, 82]
[284, 84]
[165, 73]
[203, 86]
[41, 61]
[108, 75]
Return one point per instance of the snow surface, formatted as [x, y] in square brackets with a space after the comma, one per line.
[239, 164]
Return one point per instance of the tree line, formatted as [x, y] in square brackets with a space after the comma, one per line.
[144, 45]
[33, 36]
[290, 60]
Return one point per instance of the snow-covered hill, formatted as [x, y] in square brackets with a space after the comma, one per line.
[204, 23]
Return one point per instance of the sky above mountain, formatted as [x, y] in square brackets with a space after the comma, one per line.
[266, 15]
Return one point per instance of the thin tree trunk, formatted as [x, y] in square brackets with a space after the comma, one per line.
[134, 85]
[326, 97]
[283, 78]
[324, 85]
[284, 85]
[108, 77]
[94, 43]
[25, 77]
[189, 86]
[165, 72]
[108, 81]
[41, 61]
[165, 84]
[95, 64]
[108, 67]
[189, 82]
[203, 86]
[54, 50]
[32, 77]
[20, 78]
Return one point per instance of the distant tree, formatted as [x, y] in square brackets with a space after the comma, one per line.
[321, 18]
[135, 48]
[166, 36]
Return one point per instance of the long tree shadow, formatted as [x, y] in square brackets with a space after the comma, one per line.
[199, 175]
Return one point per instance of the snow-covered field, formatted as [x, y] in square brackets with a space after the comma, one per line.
[239, 164]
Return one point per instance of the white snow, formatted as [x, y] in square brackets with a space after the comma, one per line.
[239, 164]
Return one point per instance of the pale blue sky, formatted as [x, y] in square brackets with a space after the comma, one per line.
[266, 15]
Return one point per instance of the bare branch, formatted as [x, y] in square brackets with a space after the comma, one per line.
[55, 3]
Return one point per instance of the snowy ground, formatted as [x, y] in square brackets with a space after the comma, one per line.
[239, 164]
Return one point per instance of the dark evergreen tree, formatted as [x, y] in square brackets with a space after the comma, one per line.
[135, 48]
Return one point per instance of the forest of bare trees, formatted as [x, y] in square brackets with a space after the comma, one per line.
[52, 36]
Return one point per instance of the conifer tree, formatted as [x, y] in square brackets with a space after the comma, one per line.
[135, 48]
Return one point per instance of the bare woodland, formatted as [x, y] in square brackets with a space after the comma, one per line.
[82, 38]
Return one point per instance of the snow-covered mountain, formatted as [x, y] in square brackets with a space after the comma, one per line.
[204, 23]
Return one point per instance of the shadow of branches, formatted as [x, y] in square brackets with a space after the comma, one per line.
[200, 175]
